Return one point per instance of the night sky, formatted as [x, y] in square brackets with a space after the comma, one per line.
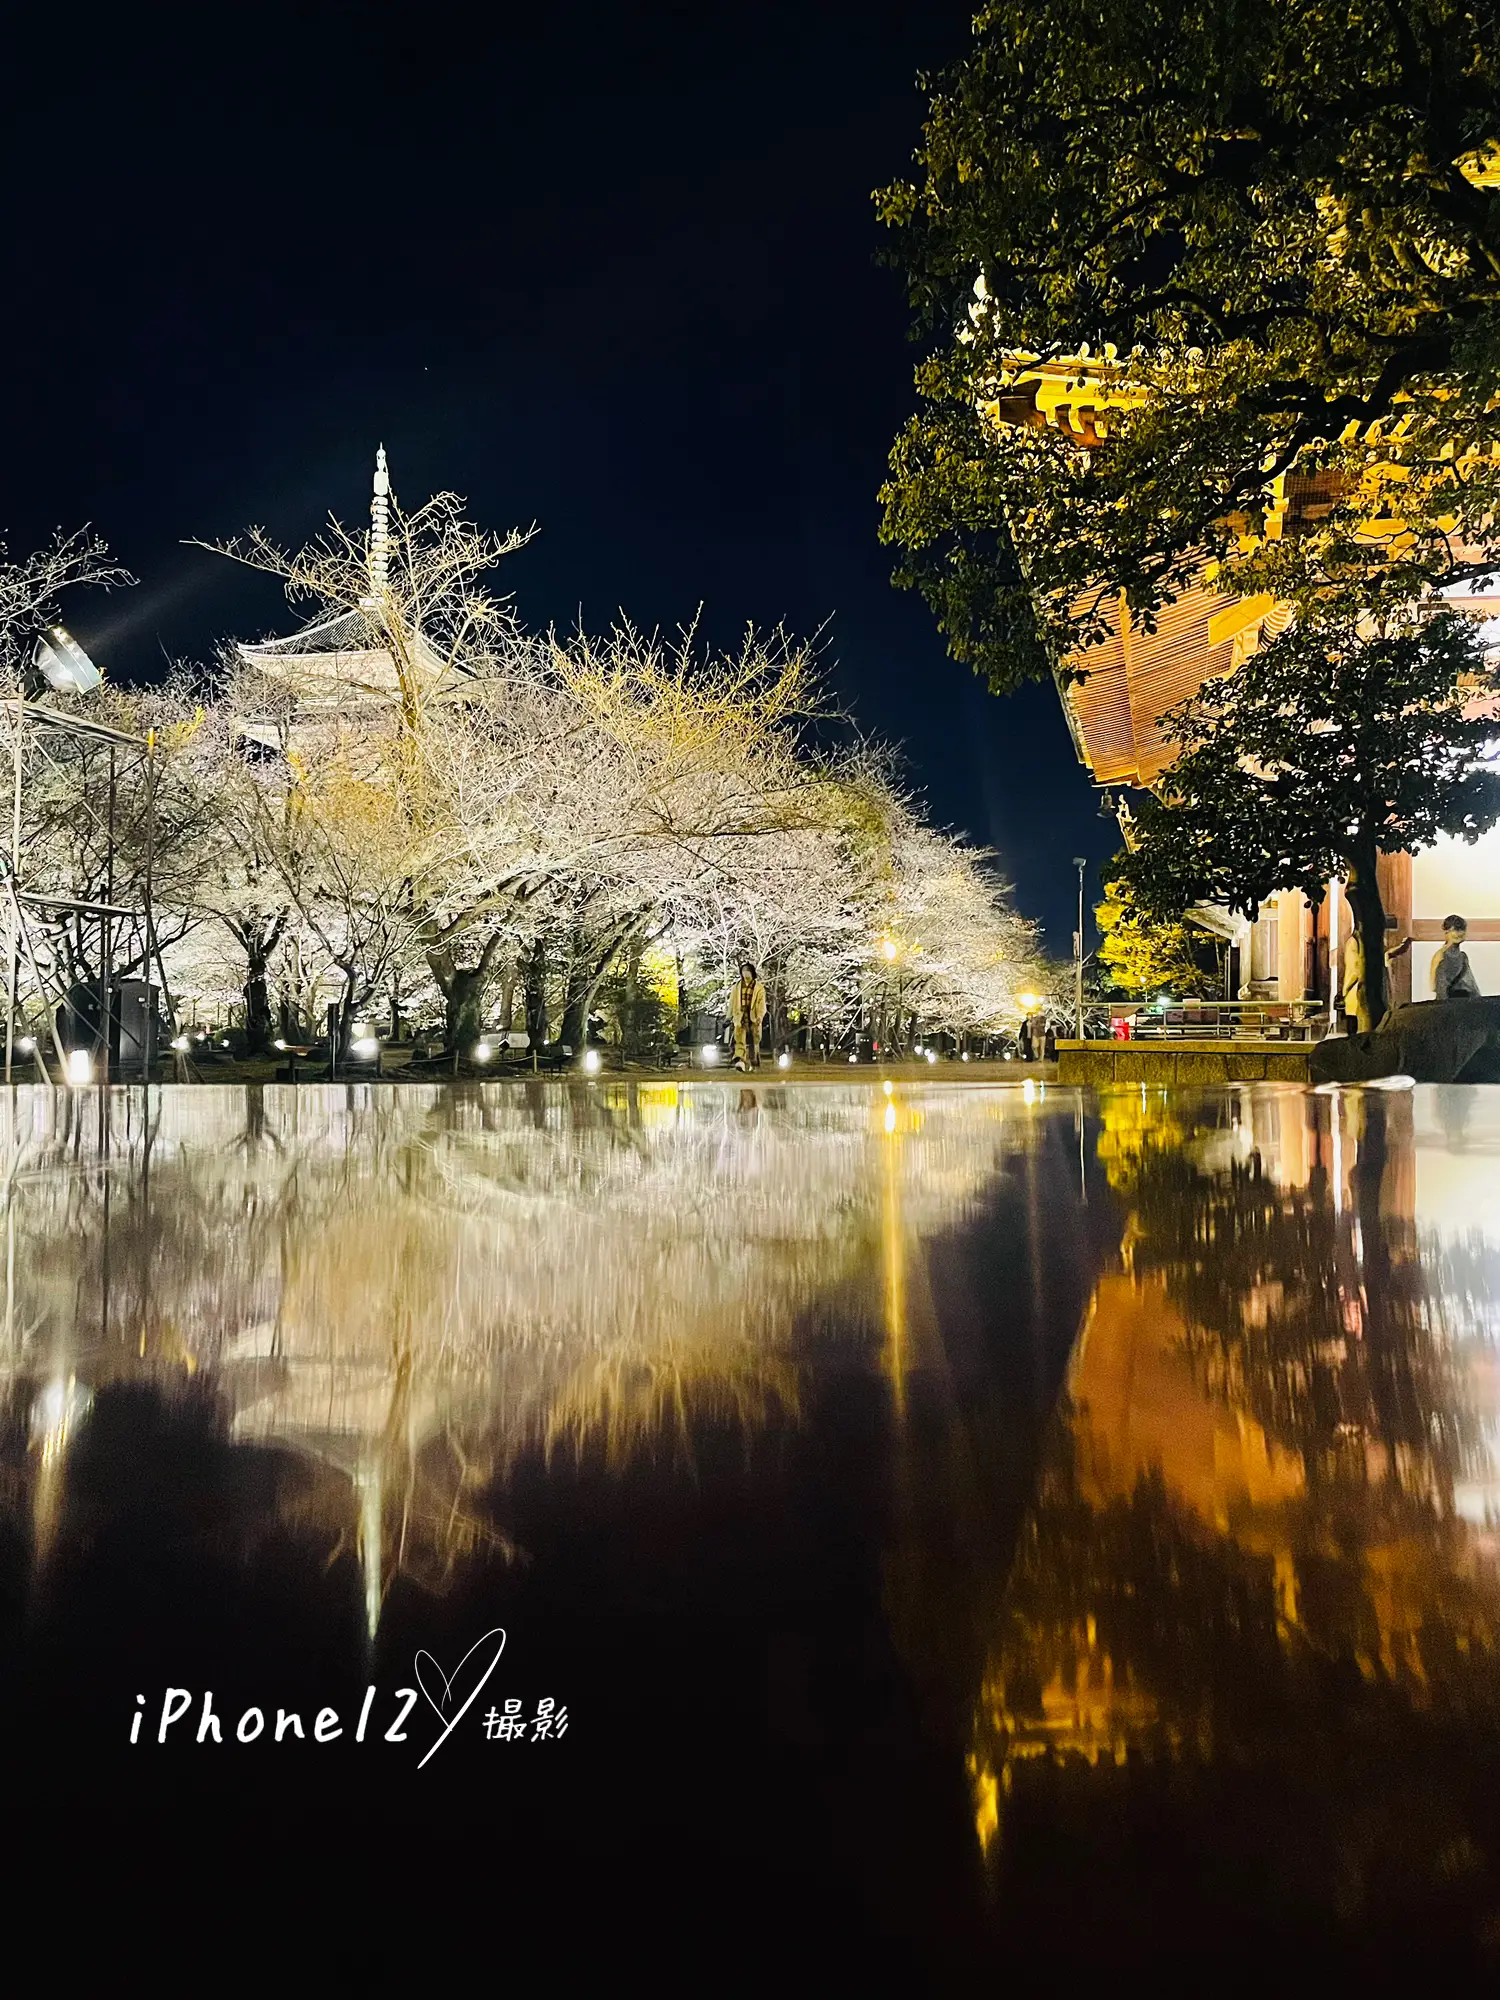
[611, 268]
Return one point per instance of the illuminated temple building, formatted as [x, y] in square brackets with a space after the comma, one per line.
[1136, 676]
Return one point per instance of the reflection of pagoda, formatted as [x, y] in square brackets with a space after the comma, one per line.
[410, 1291]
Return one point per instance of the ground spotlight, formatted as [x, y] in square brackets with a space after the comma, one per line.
[482, 1052]
[181, 1044]
[783, 1061]
[80, 1067]
[366, 1047]
[709, 1054]
[591, 1061]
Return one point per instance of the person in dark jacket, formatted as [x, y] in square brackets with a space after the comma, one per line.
[1452, 975]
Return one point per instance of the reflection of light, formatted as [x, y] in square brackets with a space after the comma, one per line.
[890, 1118]
[1028, 1091]
[709, 1054]
[366, 1048]
[181, 1044]
[591, 1061]
[1393, 1083]
[80, 1068]
[783, 1061]
[55, 1415]
[888, 1088]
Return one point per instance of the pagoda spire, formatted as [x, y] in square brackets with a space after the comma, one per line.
[380, 526]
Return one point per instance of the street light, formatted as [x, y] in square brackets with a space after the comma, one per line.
[1080, 863]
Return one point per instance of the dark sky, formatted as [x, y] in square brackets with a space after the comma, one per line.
[610, 268]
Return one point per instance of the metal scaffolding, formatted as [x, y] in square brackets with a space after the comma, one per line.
[43, 735]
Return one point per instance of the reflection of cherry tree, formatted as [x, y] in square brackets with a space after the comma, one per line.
[413, 1288]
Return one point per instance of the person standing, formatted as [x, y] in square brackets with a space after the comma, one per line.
[1354, 975]
[1452, 975]
[747, 1009]
[1028, 1047]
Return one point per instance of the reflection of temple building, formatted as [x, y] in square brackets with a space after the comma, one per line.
[1280, 1446]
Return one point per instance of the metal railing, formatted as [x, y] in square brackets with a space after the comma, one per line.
[1223, 1020]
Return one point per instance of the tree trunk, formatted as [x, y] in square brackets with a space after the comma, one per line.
[534, 984]
[463, 1009]
[1363, 887]
[258, 1017]
[463, 988]
[584, 975]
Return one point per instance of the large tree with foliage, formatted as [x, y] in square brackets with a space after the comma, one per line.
[1341, 745]
[1276, 227]
[1142, 953]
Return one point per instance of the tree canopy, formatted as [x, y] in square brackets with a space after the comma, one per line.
[1145, 954]
[1343, 744]
[1270, 234]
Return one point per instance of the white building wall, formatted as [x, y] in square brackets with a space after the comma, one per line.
[1454, 876]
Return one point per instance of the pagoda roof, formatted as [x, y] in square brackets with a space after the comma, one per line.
[346, 657]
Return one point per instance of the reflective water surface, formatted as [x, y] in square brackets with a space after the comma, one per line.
[966, 1527]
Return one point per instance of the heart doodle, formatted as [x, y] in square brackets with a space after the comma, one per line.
[442, 1704]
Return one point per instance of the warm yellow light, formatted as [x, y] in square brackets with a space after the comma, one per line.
[1030, 1001]
[888, 949]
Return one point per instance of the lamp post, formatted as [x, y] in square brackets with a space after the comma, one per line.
[1080, 863]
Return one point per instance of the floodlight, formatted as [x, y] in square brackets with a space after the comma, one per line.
[63, 664]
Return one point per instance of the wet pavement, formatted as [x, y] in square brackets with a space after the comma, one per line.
[957, 1529]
